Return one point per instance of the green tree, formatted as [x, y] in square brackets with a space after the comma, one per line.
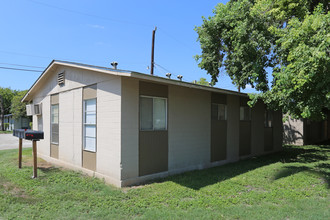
[202, 81]
[246, 38]
[6, 95]
[17, 107]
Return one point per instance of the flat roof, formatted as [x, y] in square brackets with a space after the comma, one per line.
[124, 73]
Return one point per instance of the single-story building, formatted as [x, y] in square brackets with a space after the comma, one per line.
[12, 123]
[304, 131]
[129, 127]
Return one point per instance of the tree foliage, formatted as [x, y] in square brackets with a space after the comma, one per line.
[6, 95]
[17, 107]
[291, 37]
[202, 81]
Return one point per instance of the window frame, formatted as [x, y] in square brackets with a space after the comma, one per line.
[250, 113]
[84, 125]
[51, 123]
[266, 118]
[166, 116]
[218, 115]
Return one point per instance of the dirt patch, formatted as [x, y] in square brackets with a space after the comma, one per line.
[40, 162]
[14, 191]
[251, 188]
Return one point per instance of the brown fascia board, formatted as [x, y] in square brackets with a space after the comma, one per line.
[124, 73]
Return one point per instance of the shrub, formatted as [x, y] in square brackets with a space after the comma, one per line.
[6, 126]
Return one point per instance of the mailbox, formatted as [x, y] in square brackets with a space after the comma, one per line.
[28, 134]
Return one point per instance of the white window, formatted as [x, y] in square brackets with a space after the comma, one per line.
[153, 113]
[245, 113]
[54, 124]
[268, 119]
[89, 125]
[219, 111]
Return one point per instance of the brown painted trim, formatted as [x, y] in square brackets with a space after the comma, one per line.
[243, 101]
[89, 92]
[268, 139]
[153, 152]
[54, 148]
[153, 89]
[54, 99]
[89, 160]
[153, 145]
[218, 140]
[245, 138]
[54, 151]
[88, 157]
[218, 98]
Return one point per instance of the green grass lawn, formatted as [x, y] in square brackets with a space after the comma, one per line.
[6, 132]
[293, 184]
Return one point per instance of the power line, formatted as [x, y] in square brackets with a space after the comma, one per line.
[9, 68]
[87, 14]
[44, 57]
[12, 64]
[110, 19]
[24, 54]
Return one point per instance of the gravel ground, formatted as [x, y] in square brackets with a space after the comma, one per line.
[8, 141]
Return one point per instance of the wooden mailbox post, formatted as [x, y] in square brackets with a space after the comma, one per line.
[34, 136]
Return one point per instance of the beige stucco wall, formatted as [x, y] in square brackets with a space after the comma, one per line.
[109, 127]
[70, 126]
[189, 127]
[43, 145]
[130, 129]
[70, 120]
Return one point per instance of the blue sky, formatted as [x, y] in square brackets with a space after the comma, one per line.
[34, 32]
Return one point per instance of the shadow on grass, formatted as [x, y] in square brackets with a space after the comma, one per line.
[201, 178]
[312, 160]
[290, 154]
[291, 170]
[49, 169]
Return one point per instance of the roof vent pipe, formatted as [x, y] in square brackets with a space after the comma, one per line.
[180, 77]
[114, 64]
[168, 75]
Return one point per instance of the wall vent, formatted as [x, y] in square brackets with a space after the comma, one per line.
[60, 78]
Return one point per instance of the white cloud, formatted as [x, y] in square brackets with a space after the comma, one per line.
[96, 26]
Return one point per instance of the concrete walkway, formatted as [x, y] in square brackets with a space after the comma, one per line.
[8, 141]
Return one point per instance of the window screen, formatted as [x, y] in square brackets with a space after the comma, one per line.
[90, 125]
[153, 113]
[54, 124]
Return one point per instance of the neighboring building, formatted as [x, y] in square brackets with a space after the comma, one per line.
[128, 127]
[21, 122]
[303, 131]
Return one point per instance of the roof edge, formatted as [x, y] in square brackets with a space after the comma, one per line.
[39, 78]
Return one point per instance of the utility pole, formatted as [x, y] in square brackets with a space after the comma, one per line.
[152, 51]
